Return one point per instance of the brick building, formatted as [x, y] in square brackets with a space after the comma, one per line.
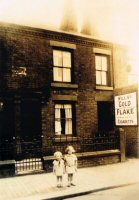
[56, 87]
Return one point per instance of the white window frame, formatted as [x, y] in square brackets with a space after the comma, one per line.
[62, 65]
[68, 109]
[101, 66]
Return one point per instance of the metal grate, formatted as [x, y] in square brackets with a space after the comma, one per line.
[28, 165]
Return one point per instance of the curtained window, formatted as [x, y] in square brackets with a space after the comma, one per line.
[63, 119]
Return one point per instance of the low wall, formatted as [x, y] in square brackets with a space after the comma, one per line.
[88, 159]
[7, 168]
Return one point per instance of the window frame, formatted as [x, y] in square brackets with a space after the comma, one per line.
[62, 50]
[73, 119]
[108, 81]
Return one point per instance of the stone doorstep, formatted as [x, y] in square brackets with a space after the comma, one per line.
[87, 154]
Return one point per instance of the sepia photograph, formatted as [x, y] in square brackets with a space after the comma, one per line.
[69, 99]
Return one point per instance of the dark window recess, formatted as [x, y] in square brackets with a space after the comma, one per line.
[7, 120]
[63, 121]
[105, 116]
[7, 130]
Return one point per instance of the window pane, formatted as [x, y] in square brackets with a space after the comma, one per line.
[66, 59]
[58, 127]
[98, 62]
[68, 112]
[67, 106]
[68, 129]
[58, 106]
[57, 58]
[57, 119]
[57, 74]
[66, 75]
[104, 63]
[98, 77]
[104, 78]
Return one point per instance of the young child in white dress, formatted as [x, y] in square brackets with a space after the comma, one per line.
[71, 164]
[59, 168]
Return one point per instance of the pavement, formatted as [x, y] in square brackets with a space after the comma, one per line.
[42, 186]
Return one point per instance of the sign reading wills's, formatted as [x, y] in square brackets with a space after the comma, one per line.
[126, 109]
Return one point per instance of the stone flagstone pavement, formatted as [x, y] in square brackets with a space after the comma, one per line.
[43, 186]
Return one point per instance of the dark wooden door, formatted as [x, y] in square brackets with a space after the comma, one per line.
[30, 118]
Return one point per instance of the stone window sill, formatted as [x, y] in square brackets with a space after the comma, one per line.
[64, 85]
[99, 87]
[65, 139]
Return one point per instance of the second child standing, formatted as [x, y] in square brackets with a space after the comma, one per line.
[70, 164]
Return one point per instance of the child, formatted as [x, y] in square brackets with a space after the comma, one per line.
[71, 164]
[58, 168]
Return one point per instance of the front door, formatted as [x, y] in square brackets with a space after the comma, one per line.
[30, 118]
[30, 127]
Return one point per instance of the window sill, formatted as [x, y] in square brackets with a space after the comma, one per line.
[99, 87]
[65, 139]
[64, 85]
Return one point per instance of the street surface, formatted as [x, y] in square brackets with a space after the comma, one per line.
[130, 192]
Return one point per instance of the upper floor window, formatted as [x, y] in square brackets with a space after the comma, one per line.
[62, 66]
[63, 119]
[101, 64]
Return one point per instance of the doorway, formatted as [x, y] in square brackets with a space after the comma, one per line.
[105, 116]
[30, 144]
[30, 119]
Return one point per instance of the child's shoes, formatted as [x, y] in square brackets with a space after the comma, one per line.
[60, 185]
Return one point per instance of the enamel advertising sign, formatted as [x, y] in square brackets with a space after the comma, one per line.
[126, 109]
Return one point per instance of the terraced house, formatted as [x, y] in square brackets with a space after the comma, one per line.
[57, 88]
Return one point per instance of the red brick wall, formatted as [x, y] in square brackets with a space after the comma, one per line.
[23, 46]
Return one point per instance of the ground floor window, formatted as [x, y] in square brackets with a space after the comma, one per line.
[63, 119]
[7, 120]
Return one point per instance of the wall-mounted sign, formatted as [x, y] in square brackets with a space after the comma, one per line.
[21, 71]
[126, 109]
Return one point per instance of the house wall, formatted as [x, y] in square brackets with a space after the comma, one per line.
[120, 64]
[32, 48]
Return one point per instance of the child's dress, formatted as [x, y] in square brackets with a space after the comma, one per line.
[58, 167]
[70, 163]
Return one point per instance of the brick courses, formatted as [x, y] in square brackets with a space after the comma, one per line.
[30, 47]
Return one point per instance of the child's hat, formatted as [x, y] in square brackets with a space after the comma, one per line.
[57, 153]
[70, 148]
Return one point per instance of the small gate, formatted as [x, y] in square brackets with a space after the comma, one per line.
[28, 165]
